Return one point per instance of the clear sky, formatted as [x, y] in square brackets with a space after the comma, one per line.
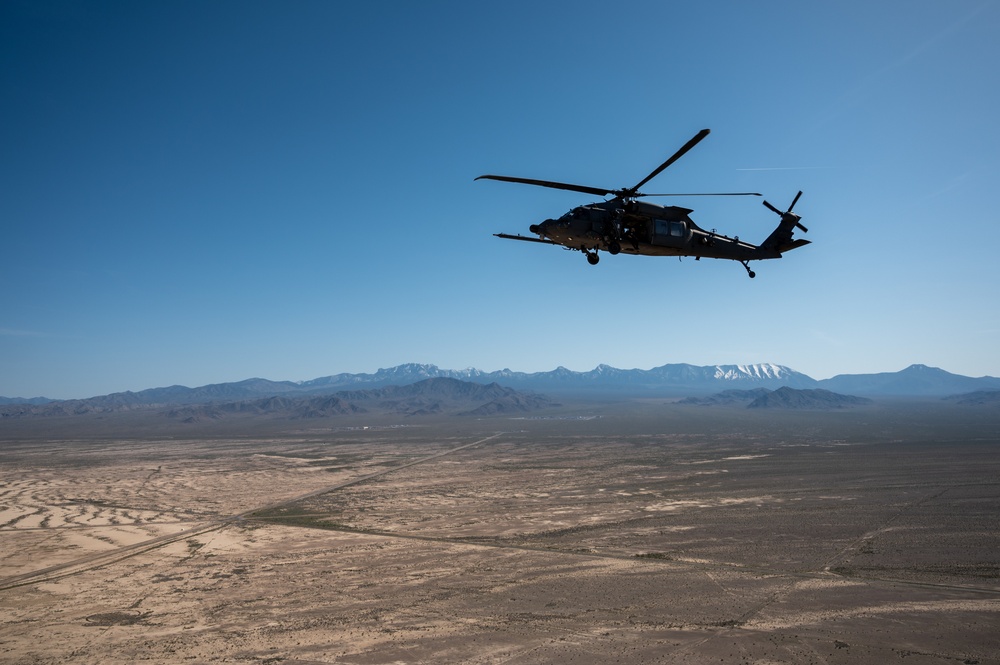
[197, 192]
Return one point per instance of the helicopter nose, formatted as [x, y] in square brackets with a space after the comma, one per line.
[540, 229]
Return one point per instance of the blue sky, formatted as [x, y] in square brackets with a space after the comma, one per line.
[199, 192]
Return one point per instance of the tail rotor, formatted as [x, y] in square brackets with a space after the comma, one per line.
[788, 214]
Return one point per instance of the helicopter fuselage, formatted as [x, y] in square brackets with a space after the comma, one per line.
[641, 228]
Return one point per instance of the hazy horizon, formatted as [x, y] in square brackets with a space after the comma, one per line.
[457, 369]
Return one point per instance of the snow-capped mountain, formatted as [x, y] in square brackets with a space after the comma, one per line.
[676, 376]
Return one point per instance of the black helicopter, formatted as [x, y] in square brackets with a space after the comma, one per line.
[625, 224]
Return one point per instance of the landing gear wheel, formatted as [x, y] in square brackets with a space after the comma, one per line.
[746, 264]
[751, 273]
[614, 248]
[593, 258]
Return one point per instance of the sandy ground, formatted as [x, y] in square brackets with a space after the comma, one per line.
[570, 543]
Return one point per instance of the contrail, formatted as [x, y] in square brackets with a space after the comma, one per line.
[786, 168]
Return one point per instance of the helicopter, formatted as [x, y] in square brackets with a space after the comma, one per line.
[626, 224]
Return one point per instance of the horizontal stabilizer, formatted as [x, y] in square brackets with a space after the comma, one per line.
[795, 244]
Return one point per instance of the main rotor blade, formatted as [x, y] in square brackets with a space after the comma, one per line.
[596, 191]
[712, 194]
[677, 155]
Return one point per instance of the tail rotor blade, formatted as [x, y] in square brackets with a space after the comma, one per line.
[771, 208]
[795, 200]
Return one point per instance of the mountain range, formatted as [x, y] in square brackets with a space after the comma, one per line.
[432, 396]
[427, 397]
[666, 380]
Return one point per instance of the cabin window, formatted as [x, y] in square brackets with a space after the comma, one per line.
[663, 227]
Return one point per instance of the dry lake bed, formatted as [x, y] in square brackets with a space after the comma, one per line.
[635, 532]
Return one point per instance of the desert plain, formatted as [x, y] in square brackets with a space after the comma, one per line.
[636, 531]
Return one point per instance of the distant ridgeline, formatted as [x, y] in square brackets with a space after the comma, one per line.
[674, 379]
[428, 397]
[782, 398]
[422, 384]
